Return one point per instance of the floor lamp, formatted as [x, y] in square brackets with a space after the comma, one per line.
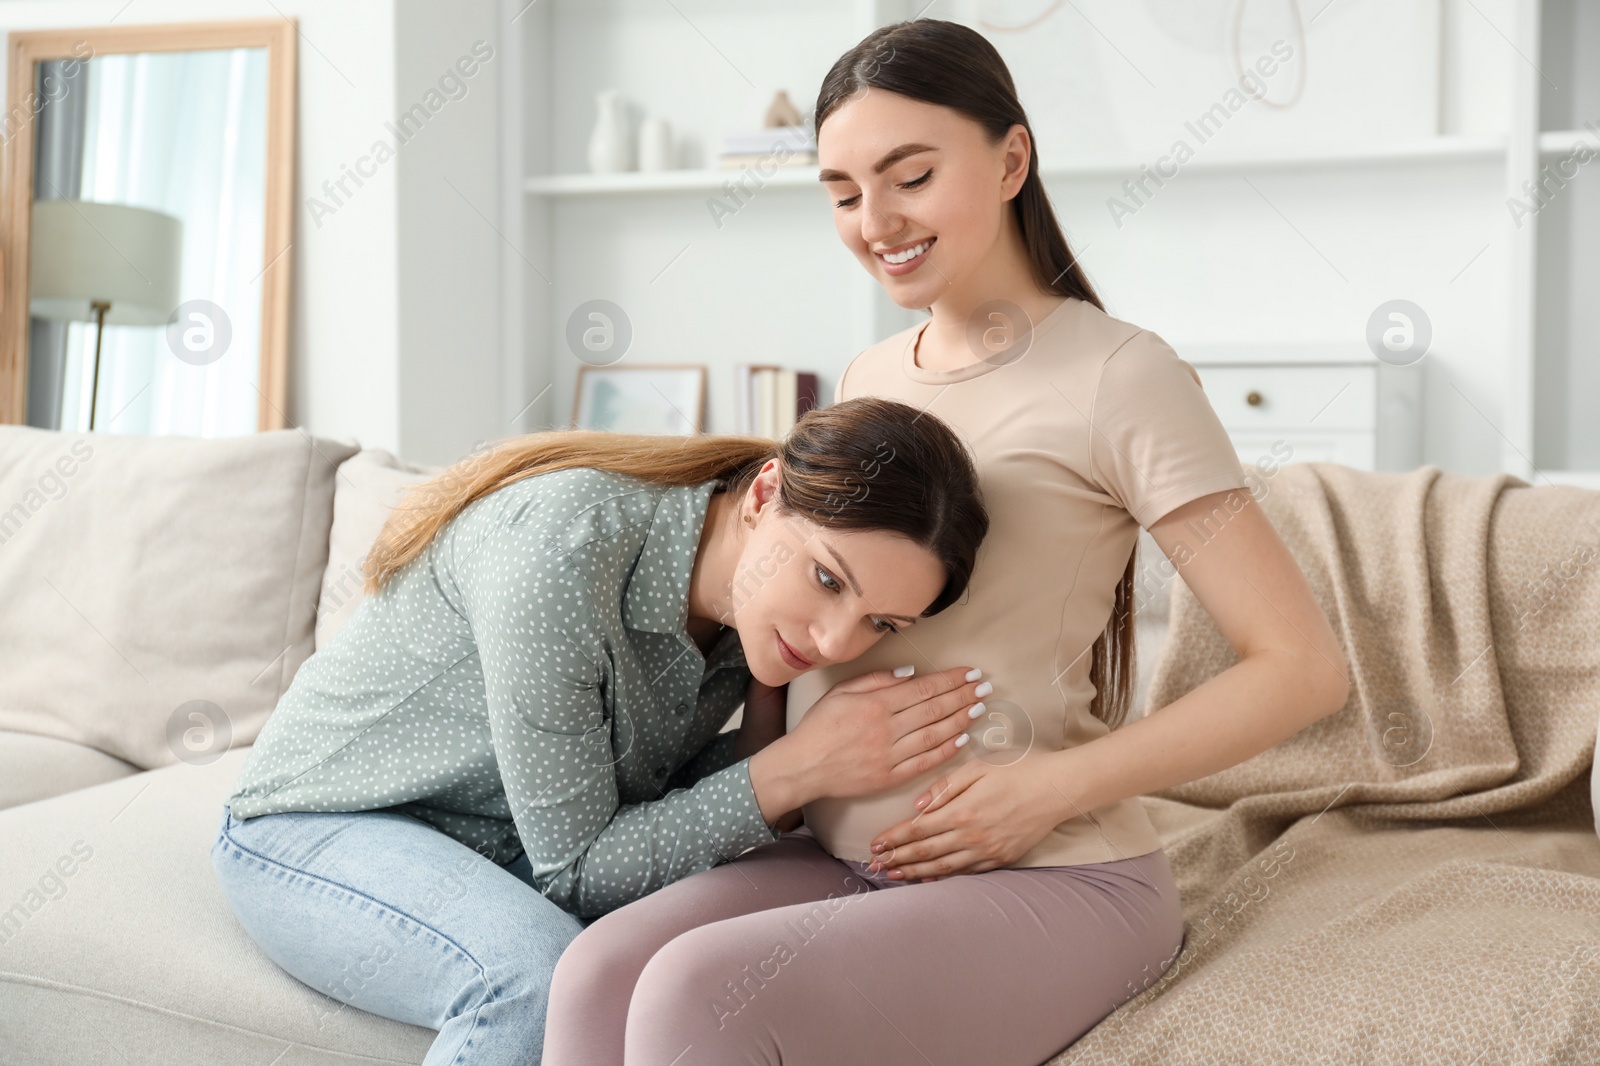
[110, 264]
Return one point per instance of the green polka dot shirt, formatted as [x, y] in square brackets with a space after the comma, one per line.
[527, 684]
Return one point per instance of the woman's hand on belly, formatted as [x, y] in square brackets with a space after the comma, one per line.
[978, 817]
[867, 734]
[874, 731]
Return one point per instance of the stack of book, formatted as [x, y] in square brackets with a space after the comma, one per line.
[769, 399]
[791, 146]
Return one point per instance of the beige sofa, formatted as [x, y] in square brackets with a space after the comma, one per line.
[156, 597]
[158, 594]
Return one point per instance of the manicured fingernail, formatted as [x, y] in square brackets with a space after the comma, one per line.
[975, 710]
[962, 739]
[878, 846]
[924, 802]
[974, 674]
[983, 689]
[904, 671]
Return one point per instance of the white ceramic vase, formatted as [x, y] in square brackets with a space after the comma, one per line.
[655, 144]
[610, 146]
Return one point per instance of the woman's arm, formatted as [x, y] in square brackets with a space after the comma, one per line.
[765, 708]
[761, 723]
[551, 729]
[552, 732]
[764, 721]
[867, 733]
[1291, 672]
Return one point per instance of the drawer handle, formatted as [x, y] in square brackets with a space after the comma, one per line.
[1253, 398]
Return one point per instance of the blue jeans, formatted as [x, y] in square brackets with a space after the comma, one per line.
[387, 914]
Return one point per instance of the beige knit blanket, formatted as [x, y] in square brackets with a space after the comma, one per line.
[1415, 879]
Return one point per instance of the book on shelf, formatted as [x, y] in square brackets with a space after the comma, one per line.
[765, 159]
[769, 399]
[796, 144]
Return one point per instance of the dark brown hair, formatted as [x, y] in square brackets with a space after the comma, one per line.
[954, 66]
[862, 464]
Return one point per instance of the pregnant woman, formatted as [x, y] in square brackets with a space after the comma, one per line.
[519, 729]
[851, 940]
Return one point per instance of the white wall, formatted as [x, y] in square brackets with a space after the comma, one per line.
[1210, 260]
[427, 317]
[343, 371]
[344, 376]
[395, 334]
[449, 329]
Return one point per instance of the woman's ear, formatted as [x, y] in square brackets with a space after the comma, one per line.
[764, 489]
[1018, 152]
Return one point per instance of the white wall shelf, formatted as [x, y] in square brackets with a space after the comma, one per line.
[1448, 148]
[1301, 257]
[634, 181]
[1561, 142]
[1454, 148]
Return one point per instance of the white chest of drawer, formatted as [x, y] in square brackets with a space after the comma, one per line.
[1296, 403]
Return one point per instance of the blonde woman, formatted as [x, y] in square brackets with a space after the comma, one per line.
[520, 729]
[854, 940]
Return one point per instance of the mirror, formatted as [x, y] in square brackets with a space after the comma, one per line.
[146, 225]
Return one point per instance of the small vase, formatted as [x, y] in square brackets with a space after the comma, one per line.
[655, 144]
[610, 147]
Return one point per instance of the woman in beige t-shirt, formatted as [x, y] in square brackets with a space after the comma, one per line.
[1084, 428]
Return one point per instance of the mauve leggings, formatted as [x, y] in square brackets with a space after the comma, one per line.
[788, 955]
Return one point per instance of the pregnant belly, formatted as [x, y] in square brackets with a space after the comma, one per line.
[846, 827]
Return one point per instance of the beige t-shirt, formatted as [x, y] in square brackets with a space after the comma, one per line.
[1097, 429]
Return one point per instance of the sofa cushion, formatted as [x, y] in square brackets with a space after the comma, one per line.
[369, 485]
[35, 768]
[157, 594]
[119, 945]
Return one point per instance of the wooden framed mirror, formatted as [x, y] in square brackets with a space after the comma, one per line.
[145, 227]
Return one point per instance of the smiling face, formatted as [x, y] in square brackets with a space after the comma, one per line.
[800, 589]
[920, 195]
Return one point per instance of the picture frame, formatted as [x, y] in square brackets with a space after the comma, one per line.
[661, 398]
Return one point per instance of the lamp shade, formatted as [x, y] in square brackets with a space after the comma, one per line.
[83, 251]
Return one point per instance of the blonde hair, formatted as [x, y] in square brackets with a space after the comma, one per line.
[866, 463]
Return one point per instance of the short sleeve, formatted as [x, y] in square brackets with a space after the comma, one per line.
[1156, 442]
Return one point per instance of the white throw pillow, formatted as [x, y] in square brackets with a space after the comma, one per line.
[157, 594]
[369, 485]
